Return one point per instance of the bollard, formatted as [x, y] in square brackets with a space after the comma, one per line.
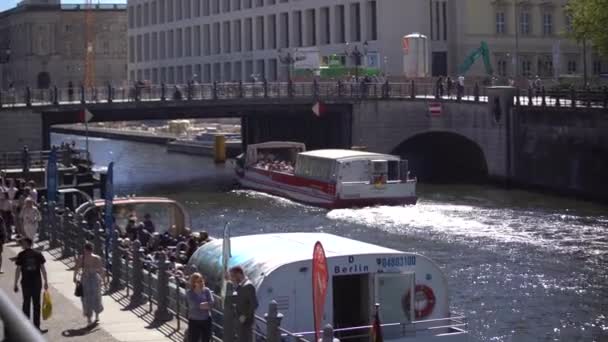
[459, 91]
[116, 264]
[138, 275]
[543, 100]
[273, 322]
[219, 150]
[162, 313]
[328, 333]
[229, 321]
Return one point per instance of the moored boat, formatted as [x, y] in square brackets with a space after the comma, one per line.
[330, 178]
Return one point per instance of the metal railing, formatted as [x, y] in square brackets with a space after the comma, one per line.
[150, 285]
[37, 159]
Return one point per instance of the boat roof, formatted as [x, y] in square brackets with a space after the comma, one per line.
[339, 154]
[278, 144]
[260, 254]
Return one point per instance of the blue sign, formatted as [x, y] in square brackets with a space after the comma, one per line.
[108, 218]
[51, 176]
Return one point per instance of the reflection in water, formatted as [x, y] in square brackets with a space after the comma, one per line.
[521, 266]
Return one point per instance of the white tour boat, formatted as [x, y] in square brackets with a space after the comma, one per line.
[359, 276]
[331, 178]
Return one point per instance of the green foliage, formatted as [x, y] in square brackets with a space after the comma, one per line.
[590, 21]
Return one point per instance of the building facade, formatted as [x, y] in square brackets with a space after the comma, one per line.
[526, 38]
[175, 41]
[42, 44]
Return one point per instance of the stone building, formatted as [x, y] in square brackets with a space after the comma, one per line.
[220, 40]
[42, 44]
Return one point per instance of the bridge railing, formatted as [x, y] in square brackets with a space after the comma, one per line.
[291, 90]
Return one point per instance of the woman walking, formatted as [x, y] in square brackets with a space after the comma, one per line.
[91, 280]
[30, 216]
[200, 301]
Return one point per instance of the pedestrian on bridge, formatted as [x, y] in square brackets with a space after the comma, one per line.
[30, 267]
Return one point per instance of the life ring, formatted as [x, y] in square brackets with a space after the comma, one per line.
[425, 297]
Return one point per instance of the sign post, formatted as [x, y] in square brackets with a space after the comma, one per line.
[319, 285]
[226, 255]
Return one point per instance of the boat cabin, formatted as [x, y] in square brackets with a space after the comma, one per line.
[266, 155]
[165, 213]
[359, 275]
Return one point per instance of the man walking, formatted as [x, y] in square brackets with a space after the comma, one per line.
[246, 304]
[30, 265]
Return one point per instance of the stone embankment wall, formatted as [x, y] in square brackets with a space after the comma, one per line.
[563, 150]
[19, 127]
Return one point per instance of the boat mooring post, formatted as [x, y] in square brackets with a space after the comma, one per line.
[220, 149]
[328, 334]
[162, 313]
[138, 275]
[273, 322]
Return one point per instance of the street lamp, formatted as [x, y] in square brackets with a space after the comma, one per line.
[289, 59]
[356, 54]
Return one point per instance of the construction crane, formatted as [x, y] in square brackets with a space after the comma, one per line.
[89, 44]
[482, 51]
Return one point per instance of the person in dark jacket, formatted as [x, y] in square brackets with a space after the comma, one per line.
[246, 304]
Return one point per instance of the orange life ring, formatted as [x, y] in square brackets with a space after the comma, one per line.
[423, 294]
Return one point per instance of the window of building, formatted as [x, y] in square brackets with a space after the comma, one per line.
[572, 66]
[198, 73]
[437, 31]
[237, 36]
[140, 48]
[206, 40]
[272, 31]
[154, 13]
[246, 4]
[155, 76]
[188, 41]
[178, 10]
[355, 22]
[445, 20]
[284, 30]
[237, 73]
[189, 73]
[170, 44]
[273, 69]
[163, 74]
[207, 73]
[311, 27]
[226, 6]
[500, 22]
[502, 67]
[597, 67]
[146, 47]
[188, 9]
[271, 2]
[131, 14]
[524, 23]
[216, 39]
[226, 43]
[297, 28]
[260, 43]
[146, 14]
[215, 6]
[206, 8]
[161, 11]
[169, 11]
[227, 77]
[236, 5]
[545, 66]
[547, 24]
[180, 75]
[154, 54]
[259, 3]
[568, 21]
[197, 8]
[340, 24]
[163, 45]
[179, 43]
[526, 68]
[131, 49]
[197, 41]
[138, 12]
[372, 21]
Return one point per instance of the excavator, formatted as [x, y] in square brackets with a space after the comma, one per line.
[482, 51]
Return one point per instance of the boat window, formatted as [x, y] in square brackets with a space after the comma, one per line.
[393, 170]
[317, 168]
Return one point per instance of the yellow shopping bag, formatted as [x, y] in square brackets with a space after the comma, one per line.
[47, 305]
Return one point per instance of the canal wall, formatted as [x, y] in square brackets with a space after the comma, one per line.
[562, 150]
[20, 127]
[146, 137]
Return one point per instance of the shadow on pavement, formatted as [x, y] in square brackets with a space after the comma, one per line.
[80, 332]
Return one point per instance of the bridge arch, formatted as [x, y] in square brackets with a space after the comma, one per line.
[444, 157]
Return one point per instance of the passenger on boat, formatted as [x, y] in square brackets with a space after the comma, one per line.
[131, 228]
[148, 224]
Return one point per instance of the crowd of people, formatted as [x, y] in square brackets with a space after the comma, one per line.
[275, 165]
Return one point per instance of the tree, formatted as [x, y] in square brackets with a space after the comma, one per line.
[589, 22]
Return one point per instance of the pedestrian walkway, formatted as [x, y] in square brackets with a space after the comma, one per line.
[68, 323]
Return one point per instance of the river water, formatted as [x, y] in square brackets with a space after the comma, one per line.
[521, 266]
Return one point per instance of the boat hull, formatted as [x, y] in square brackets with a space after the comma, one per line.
[314, 192]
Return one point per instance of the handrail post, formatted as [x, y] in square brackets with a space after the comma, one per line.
[273, 322]
[28, 96]
[55, 95]
[543, 100]
[116, 264]
[229, 314]
[340, 87]
[328, 333]
[189, 91]
[572, 97]
[290, 92]
[82, 96]
[162, 313]
[138, 275]
[476, 92]
[110, 92]
[241, 92]
[517, 94]
[413, 90]
[214, 90]
[315, 89]
[557, 100]
[530, 96]
[265, 85]
[163, 92]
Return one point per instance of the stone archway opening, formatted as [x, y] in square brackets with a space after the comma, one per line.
[444, 157]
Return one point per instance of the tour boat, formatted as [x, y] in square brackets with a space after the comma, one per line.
[359, 276]
[330, 178]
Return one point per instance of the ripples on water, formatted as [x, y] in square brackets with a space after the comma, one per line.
[520, 266]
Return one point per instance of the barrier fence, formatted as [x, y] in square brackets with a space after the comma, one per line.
[28, 97]
[153, 286]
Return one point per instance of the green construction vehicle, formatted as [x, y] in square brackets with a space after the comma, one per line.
[482, 51]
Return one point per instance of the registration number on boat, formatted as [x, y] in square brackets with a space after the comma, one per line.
[406, 260]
